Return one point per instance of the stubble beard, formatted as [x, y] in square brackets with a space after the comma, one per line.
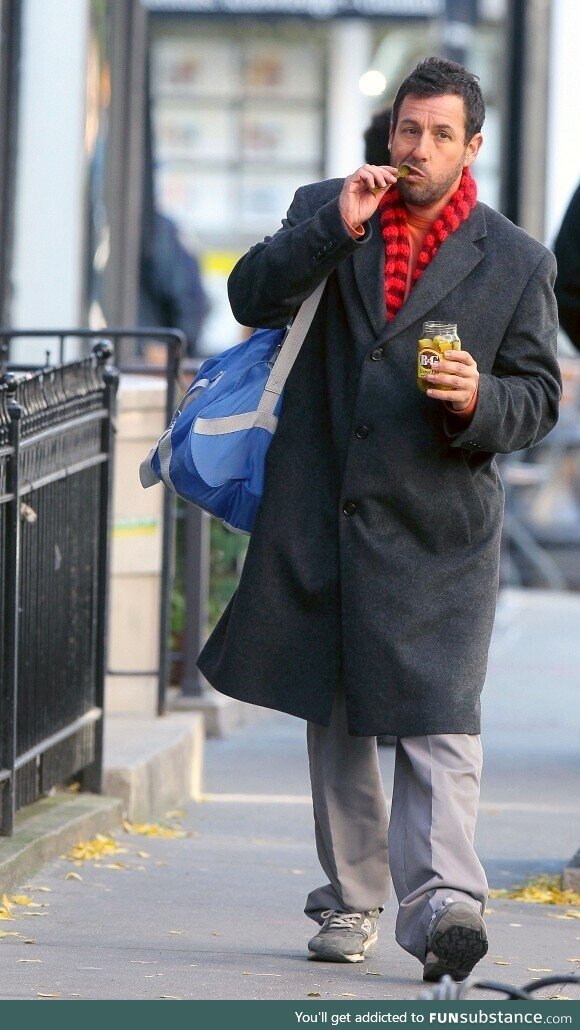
[426, 192]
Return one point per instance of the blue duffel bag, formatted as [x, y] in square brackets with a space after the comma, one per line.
[214, 451]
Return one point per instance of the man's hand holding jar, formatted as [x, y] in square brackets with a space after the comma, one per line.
[445, 372]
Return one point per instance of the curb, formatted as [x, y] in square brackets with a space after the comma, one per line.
[43, 830]
[153, 765]
[222, 715]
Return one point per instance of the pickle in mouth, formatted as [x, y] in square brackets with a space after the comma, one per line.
[402, 172]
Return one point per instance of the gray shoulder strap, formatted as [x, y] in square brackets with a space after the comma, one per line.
[290, 350]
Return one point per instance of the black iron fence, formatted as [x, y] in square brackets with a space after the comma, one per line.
[56, 427]
[129, 344]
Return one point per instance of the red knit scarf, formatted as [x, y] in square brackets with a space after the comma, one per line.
[396, 236]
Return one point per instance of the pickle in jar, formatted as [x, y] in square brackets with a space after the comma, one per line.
[443, 343]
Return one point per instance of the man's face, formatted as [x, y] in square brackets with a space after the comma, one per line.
[430, 138]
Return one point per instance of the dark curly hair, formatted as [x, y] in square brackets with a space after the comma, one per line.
[436, 77]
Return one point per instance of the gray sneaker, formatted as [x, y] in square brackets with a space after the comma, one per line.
[456, 941]
[344, 936]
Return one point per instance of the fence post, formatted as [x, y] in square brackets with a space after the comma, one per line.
[12, 612]
[196, 547]
[91, 777]
[174, 348]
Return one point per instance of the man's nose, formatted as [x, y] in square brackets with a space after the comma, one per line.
[421, 148]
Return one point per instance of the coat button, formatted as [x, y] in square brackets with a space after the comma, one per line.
[349, 508]
[377, 354]
[362, 432]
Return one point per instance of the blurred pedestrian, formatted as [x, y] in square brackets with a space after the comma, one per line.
[367, 597]
[376, 137]
[567, 251]
[172, 294]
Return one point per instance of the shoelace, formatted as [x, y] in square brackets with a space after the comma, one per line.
[341, 920]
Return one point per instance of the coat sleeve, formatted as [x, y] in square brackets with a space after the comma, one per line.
[518, 401]
[272, 280]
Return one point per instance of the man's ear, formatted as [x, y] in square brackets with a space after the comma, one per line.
[472, 149]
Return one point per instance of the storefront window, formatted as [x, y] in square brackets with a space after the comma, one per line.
[241, 113]
[238, 126]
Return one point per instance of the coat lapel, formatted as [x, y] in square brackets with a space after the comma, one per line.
[458, 256]
[369, 270]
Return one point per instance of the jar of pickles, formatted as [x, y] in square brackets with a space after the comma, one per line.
[436, 339]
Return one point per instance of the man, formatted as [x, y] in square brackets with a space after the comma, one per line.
[368, 594]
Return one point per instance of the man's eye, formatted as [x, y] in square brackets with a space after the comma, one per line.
[443, 135]
[409, 131]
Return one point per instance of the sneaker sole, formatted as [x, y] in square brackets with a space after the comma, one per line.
[330, 954]
[459, 947]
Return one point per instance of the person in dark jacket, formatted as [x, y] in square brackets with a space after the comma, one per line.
[567, 251]
[376, 138]
[171, 294]
[367, 598]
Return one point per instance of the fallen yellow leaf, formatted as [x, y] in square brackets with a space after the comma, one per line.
[72, 876]
[154, 830]
[176, 931]
[539, 969]
[345, 994]
[40, 994]
[176, 813]
[143, 854]
[22, 899]
[5, 914]
[31, 940]
[314, 994]
[542, 890]
[30, 887]
[29, 960]
[9, 933]
[500, 962]
[6, 903]
[89, 850]
[169, 997]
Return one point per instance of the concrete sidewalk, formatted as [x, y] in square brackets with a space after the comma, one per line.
[219, 914]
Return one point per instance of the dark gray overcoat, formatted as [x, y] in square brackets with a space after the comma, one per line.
[375, 554]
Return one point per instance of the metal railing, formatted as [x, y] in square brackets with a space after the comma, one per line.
[56, 447]
[174, 342]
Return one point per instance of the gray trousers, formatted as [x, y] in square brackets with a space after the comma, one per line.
[426, 847]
